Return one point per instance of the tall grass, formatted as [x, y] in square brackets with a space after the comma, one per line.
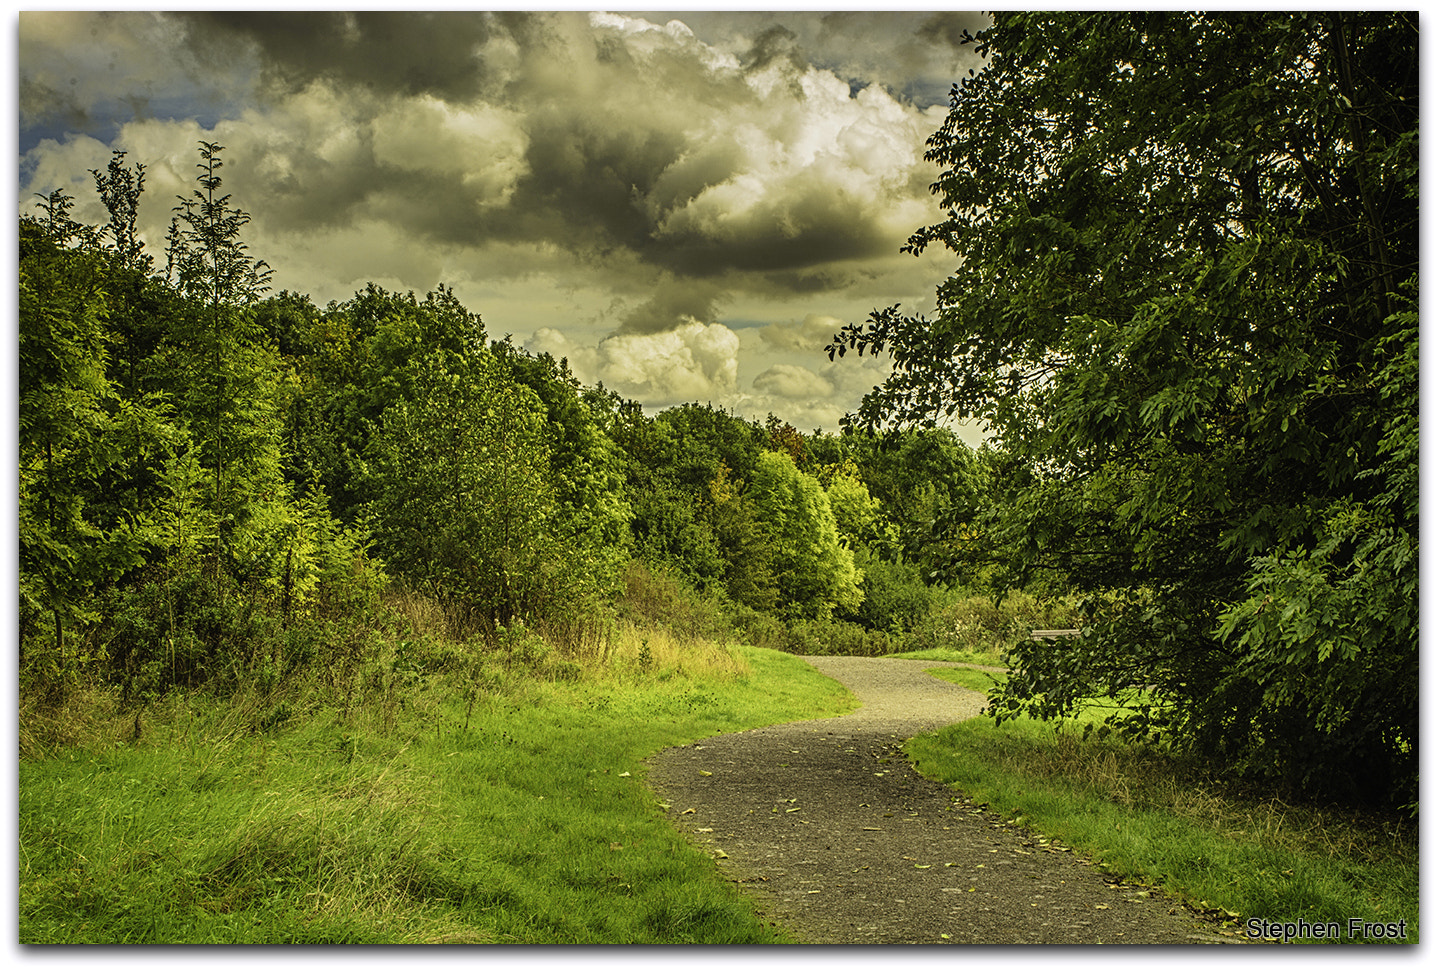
[1150, 818]
[441, 791]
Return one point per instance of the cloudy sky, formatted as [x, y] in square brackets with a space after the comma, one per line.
[686, 205]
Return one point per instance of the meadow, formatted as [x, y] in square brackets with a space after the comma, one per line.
[487, 798]
[495, 803]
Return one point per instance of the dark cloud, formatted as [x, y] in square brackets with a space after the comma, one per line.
[755, 152]
[43, 104]
[390, 52]
[775, 44]
[950, 27]
[672, 301]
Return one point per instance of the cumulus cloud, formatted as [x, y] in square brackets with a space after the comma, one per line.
[792, 381]
[672, 302]
[599, 134]
[693, 362]
[812, 333]
[677, 163]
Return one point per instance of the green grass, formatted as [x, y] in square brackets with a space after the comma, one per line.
[985, 657]
[416, 817]
[1147, 819]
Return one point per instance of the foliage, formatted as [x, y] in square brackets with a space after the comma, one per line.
[1185, 307]
[814, 571]
[460, 467]
[66, 434]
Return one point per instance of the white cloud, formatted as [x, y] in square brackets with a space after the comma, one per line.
[570, 174]
[482, 145]
[812, 333]
[792, 381]
[693, 362]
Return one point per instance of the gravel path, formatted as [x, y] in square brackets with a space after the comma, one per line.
[827, 826]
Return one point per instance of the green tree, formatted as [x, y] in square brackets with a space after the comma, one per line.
[353, 363]
[66, 439]
[586, 466]
[746, 547]
[813, 570]
[1185, 305]
[672, 462]
[464, 494]
[229, 377]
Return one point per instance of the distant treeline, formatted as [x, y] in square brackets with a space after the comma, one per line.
[208, 470]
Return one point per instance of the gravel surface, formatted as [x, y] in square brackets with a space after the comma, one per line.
[829, 829]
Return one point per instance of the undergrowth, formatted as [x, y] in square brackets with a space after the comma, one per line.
[1150, 817]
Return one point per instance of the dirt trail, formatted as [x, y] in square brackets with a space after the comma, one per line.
[827, 826]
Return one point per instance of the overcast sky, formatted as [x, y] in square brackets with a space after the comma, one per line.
[685, 205]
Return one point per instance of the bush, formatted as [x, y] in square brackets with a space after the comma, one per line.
[896, 598]
[188, 630]
[985, 624]
[657, 596]
[811, 637]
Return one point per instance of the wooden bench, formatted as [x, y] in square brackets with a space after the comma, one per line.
[1053, 635]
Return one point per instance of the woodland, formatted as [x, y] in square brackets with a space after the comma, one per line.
[1184, 305]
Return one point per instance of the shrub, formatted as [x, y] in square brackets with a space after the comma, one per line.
[985, 624]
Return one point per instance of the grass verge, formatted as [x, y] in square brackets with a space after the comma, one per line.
[1147, 819]
[495, 806]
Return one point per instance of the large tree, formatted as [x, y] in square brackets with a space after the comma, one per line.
[1186, 306]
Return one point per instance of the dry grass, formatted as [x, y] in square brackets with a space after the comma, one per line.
[660, 652]
[80, 718]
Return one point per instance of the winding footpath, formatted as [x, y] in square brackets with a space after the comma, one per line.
[834, 835]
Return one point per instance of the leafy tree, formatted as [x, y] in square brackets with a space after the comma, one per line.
[814, 571]
[66, 439]
[747, 548]
[464, 494]
[1186, 308]
[932, 490]
[586, 466]
[672, 463]
[354, 362]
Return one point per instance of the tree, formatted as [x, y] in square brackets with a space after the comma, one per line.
[1186, 309]
[66, 439]
[228, 376]
[464, 496]
[747, 548]
[813, 570]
